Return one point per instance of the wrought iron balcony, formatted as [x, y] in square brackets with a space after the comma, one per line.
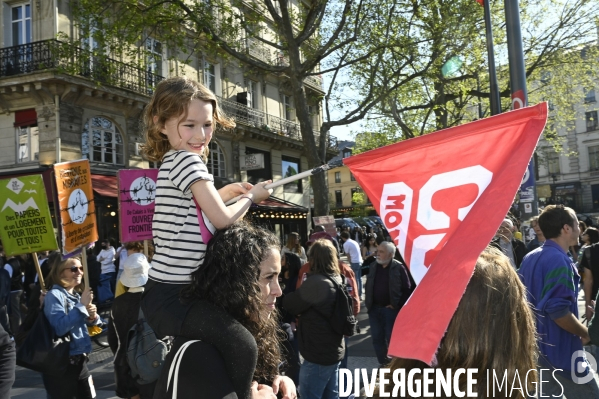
[314, 81]
[252, 117]
[70, 59]
[258, 50]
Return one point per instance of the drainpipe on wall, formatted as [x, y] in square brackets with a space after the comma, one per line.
[57, 117]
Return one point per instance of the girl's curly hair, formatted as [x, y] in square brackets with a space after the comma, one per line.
[171, 100]
[229, 279]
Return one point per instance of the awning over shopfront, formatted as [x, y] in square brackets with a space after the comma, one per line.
[106, 186]
[46, 176]
[276, 208]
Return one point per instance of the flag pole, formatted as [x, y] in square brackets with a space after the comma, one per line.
[528, 190]
[307, 173]
[493, 85]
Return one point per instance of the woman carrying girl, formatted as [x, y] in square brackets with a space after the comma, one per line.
[70, 313]
[240, 277]
[179, 122]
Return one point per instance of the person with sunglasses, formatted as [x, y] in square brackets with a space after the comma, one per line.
[69, 310]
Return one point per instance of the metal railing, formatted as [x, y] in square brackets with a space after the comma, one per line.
[270, 123]
[70, 59]
[258, 50]
[314, 81]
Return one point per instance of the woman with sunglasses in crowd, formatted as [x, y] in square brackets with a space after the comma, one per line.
[70, 312]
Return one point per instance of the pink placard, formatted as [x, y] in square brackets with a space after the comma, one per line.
[137, 191]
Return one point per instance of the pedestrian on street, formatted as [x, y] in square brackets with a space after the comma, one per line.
[7, 363]
[293, 246]
[70, 313]
[388, 287]
[352, 290]
[352, 250]
[121, 255]
[551, 279]
[124, 315]
[539, 238]
[504, 240]
[313, 302]
[15, 267]
[106, 259]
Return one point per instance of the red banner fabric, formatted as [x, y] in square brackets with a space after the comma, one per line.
[442, 197]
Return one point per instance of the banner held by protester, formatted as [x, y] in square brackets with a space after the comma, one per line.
[78, 226]
[137, 191]
[442, 197]
[25, 215]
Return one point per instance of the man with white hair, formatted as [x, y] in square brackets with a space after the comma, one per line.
[504, 240]
[388, 287]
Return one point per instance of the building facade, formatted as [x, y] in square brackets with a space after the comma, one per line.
[571, 177]
[62, 101]
[343, 186]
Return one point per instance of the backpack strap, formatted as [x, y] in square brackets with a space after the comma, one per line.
[174, 369]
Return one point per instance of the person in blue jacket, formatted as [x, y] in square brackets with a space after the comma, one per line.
[70, 313]
[552, 279]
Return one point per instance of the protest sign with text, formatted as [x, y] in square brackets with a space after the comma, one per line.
[78, 225]
[137, 191]
[25, 215]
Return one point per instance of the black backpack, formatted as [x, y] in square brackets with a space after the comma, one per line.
[342, 320]
[146, 354]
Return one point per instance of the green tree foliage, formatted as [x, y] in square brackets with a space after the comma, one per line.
[560, 55]
[377, 38]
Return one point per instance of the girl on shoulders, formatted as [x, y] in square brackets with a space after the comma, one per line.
[179, 123]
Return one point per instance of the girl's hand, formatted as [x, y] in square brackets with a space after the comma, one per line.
[236, 189]
[86, 297]
[259, 193]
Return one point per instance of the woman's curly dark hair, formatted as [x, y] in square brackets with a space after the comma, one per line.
[229, 279]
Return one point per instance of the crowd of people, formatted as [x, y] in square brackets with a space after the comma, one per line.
[239, 309]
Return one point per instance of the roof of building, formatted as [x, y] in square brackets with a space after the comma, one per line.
[342, 146]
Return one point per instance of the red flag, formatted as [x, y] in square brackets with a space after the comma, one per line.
[481, 2]
[442, 197]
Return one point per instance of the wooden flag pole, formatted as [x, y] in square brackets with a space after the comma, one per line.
[84, 264]
[39, 271]
[146, 249]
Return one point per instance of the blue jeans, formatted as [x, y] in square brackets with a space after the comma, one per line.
[319, 382]
[357, 269]
[381, 321]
